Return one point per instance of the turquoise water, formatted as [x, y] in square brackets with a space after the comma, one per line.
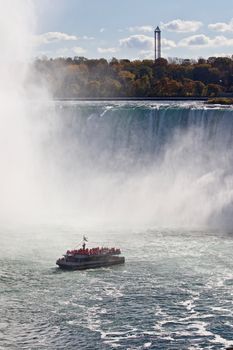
[174, 292]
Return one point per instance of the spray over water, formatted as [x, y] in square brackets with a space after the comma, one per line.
[147, 165]
[118, 164]
[16, 184]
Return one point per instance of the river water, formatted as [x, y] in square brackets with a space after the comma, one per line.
[174, 291]
[152, 179]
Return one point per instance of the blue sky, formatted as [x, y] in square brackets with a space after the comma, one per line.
[124, 28]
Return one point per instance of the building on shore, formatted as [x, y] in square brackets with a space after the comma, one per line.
[157, 43]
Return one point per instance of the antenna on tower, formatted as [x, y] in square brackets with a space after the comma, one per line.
[157, 43]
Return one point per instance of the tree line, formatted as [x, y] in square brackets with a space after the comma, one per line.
[82, 77]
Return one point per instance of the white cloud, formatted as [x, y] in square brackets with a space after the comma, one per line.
[145, 43]
[102, 30]
[139, 41]
[205, 41]
[85, 37]
[221, 26]
[144, 29]
[168, 44]
[221, 41]
[51, 37]
[229, 55]
[195, 40]
[79, 50]
[178, 25]
[107, 49]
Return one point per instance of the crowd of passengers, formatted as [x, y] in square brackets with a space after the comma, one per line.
[94, 251]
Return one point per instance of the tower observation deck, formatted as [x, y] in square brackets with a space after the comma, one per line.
[157, 43]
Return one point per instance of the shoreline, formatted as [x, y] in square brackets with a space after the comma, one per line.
[201, 99]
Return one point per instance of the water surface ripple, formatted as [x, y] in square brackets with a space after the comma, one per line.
[174, 292]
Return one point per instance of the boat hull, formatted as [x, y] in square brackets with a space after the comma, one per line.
[84, 265]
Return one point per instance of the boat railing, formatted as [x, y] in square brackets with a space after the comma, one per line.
[94, 251]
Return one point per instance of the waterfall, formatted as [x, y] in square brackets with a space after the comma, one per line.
[140, 164]
[140, 133]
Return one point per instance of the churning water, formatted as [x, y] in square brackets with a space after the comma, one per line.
[174, 292]
[118, 173]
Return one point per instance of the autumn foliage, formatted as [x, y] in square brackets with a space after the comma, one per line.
[81, 77]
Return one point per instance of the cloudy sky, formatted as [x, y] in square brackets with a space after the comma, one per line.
[124, 28]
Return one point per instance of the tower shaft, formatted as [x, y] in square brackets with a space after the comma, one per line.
[157, 43]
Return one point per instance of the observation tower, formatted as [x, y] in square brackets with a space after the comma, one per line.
[157, 43]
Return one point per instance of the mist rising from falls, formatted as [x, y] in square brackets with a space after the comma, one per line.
[98, 163]
[16, 175]
[141, 165]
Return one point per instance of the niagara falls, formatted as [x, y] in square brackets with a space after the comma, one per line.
[116, 181]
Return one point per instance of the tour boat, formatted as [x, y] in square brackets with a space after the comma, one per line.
[89, 258]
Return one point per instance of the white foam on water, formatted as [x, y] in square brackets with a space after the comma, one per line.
[221, 340]
[115, 337]
[189, 304]
[112, 291]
